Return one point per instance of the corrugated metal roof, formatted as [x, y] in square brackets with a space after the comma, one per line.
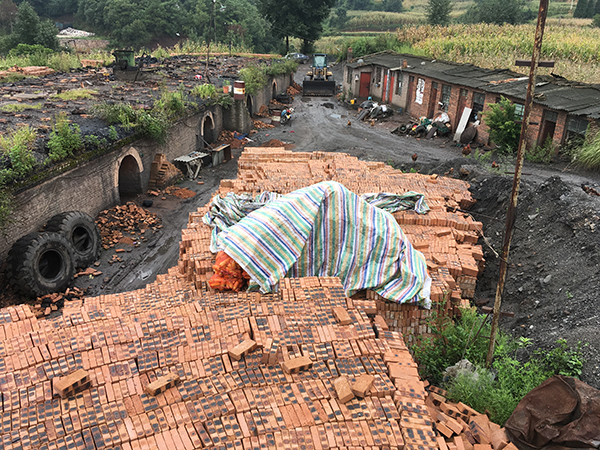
[553, 92]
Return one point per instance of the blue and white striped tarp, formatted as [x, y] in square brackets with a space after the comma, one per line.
[327, 230]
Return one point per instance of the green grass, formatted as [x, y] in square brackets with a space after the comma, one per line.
[74, 94]
[588, 155]
[18, 107]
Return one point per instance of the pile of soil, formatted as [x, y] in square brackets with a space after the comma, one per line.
[552, 284]
[180, 192]
[277, 143]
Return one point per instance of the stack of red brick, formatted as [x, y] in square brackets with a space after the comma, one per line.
[447, 239]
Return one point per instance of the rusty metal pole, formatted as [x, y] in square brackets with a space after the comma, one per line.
[512, 207]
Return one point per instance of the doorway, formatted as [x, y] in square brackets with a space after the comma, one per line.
[548, 127]
[365, 84]
[130, 180]
[433, 100]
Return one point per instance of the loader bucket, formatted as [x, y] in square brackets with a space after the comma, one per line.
[318, 88]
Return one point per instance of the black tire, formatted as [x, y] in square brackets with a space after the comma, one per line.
[82, 233]
[41, 263]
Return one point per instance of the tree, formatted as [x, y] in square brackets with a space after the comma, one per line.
[581, 9]
[392, 5]
[26, 25]
[438, 12]
[298, 18]
[499, 11]
[596, 21]
[504, 130]
[8, 13]
[340, 17]
[589, 12]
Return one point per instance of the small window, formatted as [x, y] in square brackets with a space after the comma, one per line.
[519, 111]
[434, 85]
[378, 75]
[398, 84]
[349, 76]
[550, 116]
[577, 125]
[464, 93]
[446, 91]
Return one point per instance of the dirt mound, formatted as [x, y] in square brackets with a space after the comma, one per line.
[180, 192]
[277, 143]
[552, 282]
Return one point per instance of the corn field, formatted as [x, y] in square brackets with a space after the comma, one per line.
[574, 48]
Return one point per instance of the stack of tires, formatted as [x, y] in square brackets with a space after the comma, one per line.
[43, 263]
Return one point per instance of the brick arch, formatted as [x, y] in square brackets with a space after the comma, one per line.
[127, 174]
[207, 128]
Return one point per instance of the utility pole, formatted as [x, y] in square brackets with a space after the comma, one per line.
[511, 214]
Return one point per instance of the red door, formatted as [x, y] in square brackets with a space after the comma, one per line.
[391, 89]
[384, 92]
[365, 83]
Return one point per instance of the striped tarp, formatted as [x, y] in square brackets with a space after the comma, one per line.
[326, 230]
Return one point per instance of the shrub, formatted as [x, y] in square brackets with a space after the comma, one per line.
[282, 68]
[65, 139]
[254, 78]
[504, 131]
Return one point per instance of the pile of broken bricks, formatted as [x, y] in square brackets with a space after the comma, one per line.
[460, 427]
[130, 219]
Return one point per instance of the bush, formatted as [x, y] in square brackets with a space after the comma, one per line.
[254, 78]
[281, 68]
[504, 131]
[65, 139]
[499, 391]
[172, 103]
[153, 124]
[596, 21]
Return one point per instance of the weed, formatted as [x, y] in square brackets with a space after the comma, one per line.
[112, 133]
[12, 78]
[94, 141]
[498, 392]
[18, 107]
[569, 295]
[562, 360]
[74, 94]
[65, 139]
[153, 124]
[17, 146]
[204, 91]
[588, 155]
[543, 154]
[172, 103]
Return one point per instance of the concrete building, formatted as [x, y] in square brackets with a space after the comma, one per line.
[562, 109]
